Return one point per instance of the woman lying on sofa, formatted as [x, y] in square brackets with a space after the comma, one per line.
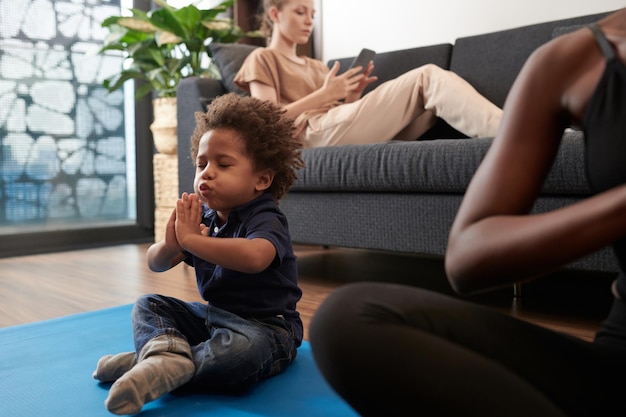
[388, 348]
[328, 108]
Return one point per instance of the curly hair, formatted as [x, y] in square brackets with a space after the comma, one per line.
[269, 138]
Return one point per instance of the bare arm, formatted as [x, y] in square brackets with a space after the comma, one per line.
[239, 254]
[335, 87]
[494, 241]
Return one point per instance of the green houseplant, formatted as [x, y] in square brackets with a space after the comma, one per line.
[166, 44]
[161, 47]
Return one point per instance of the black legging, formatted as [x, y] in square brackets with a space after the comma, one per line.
[392, 350]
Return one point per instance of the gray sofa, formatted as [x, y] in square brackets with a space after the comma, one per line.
[403, 196]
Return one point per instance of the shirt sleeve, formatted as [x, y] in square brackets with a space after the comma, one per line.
[258, 66]
[271, 226]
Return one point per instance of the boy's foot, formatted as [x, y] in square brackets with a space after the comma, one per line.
[111, 367]
[149, 379]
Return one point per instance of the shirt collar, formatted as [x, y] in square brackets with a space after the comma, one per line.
[243, 212]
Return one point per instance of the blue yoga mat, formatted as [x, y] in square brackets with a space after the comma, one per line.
[46, 367]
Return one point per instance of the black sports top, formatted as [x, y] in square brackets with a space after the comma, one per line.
[605, 122]
[605, 135]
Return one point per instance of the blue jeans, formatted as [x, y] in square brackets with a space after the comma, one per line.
[230, 352]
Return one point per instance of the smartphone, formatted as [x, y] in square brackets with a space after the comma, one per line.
[364, 57]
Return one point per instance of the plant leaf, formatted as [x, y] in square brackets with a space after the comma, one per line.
[137, 24]
[166, 44]
[164, 19]
[115, 82]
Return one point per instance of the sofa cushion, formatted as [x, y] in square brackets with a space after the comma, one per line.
[492, 61]
[432, 166]
[562, 30]
[229, 57]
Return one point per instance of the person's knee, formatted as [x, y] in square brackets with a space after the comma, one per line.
[146, 300]
[142, 302]
[343, 307]
[431, 70]
[435, 75]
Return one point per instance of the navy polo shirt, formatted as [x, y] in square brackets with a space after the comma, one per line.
[272, 292]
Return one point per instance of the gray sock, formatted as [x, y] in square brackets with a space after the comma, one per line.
[164, 365]
[111, 367]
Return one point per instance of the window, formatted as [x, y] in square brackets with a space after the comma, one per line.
[68, 149]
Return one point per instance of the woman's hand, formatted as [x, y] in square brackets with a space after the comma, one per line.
[339, 87]
[365, 81]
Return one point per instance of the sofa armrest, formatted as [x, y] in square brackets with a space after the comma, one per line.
[193, 95]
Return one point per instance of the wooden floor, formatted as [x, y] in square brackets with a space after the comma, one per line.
[39, 287]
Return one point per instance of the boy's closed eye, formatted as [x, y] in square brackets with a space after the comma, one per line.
[225, 162]
[219, 164]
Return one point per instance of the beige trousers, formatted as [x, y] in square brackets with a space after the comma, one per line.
[404, 108]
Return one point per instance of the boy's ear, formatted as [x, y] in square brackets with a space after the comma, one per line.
[264, 179]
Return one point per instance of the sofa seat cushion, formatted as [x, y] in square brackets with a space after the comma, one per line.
[432, 166]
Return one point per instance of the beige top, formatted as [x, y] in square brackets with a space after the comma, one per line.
[291, 80]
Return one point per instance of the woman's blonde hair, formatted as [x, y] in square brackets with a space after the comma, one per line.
[266, 23]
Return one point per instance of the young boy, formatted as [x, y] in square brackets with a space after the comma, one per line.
[233, 233]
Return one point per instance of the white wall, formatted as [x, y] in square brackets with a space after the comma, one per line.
[346, 26]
